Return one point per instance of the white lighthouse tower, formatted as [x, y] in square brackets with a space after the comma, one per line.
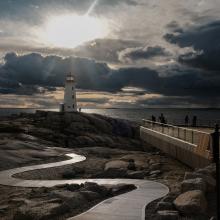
[70, 104]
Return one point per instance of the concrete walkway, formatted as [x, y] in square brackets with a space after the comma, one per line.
[128, 206]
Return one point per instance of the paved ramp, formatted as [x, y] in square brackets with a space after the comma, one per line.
[128, 206]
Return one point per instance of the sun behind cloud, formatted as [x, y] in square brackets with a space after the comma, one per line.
[70, 30]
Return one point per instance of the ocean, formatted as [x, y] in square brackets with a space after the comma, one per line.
[173, 115]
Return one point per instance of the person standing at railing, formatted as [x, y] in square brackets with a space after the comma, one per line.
[153, 118]
[187, 120]
[194, 121]
[162, 119]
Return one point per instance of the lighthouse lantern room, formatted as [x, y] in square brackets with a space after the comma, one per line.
[70, 104]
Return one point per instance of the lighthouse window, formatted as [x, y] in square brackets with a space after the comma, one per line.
[73, 106]
[72, 88]
[73, 96]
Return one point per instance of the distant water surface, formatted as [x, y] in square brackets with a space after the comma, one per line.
[172, 115]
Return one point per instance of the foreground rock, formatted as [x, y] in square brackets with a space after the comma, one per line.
[118, 164]
[194, 198]
[208, 179]
[191, 202]
[167, 215]
[65, 200]
[193, 184]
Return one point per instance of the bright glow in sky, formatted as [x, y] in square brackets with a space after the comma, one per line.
[70, 30]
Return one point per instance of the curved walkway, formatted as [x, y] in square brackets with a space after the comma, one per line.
[127, 206]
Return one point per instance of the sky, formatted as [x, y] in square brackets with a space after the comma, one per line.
[123, 53]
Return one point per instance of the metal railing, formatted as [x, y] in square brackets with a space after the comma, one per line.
[186, 134]
[199, 123]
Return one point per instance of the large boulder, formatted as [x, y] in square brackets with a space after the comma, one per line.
[193, 184]
[116, 164]
[210, 181]
[191, 202]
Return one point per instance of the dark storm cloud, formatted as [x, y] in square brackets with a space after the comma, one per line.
[33, 73]
[34, 69]
[192, 83]
[205, 40]
[142, 53]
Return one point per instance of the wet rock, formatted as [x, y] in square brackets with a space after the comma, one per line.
[3, 208]
[161, 206]
[169, 198]
[62, 194]
[70, 187]
[193, 184]
[116, 164]
[19, 201]
[210, 181]
[10, 128]
[77, 200]
[120, 188]
[167, 215]
[136, 175]
[90, 195]
[155, 166]
[100, 124]
[84, 140]
[94, 187]
[69, 174]
[36, 211]
[131, 165]
[155, 173]
[112, 173]
[75, 117]
[191, 202]
[209, 170]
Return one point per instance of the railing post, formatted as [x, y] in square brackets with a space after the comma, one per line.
[192, 136]
[185, 134]
[178, 132]
[215, 148]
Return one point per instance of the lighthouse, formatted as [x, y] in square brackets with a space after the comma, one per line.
[70, 104]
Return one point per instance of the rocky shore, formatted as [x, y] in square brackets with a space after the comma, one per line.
[113, 150]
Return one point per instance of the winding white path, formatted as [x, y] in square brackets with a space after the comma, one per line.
[128, 206]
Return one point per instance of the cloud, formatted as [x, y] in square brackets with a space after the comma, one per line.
[104, 49]
[34, 74]
[132, 54]
[205, 40]
[34, 69]
[33, 11]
